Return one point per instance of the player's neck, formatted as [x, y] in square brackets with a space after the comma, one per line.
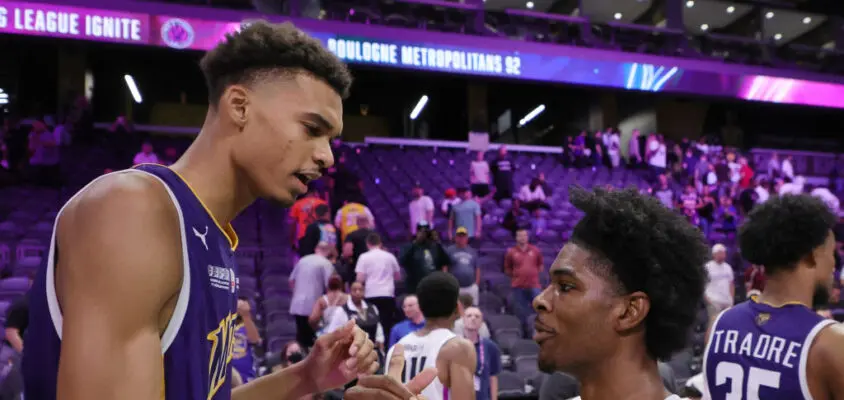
[784, 289]
[214, 179]
[438, 323]
[418, 320]
[622, 378]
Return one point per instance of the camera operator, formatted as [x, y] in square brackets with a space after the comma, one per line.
[425, 254]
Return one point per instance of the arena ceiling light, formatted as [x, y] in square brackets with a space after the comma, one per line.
[420, 105]
[618, 15]
[4, 97]
[133, 88]
[731, 9]
[531, 115]
[690, 4]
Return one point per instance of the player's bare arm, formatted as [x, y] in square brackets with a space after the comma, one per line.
[826, 364]
[117, 279]
[456, 364]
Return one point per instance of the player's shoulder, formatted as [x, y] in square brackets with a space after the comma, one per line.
[118, 199]
[457, 349]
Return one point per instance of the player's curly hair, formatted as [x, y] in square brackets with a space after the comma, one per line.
[784, 229]
[437, 294]
[262, 47]
[649, 248]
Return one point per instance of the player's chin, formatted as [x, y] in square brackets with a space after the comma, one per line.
[547, 364]
[285, 196]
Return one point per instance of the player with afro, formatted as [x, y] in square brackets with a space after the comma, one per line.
[624, 293]
[797, 354]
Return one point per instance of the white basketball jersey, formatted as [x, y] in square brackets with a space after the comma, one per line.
[421, 352]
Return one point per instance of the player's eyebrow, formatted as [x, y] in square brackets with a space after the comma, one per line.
[319, 120]
[566, 271]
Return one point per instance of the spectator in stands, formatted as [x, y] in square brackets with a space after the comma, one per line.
[599, 154]
[16, 137]
[787, 168]
[734, 167]
[479, 175]
[774, 166]
[700, 170]
[546, 188]
[754, 280]
[466, 215]
[146, 155]
[516, 217]
[634, 155]
[379, 270]
[487, 354]
[711, 177]
[726, 215]
[347, 219]
[567, 158]
[464, 264]
[422, 256]
[613, 145]
[45, 155]
[421, 208]
[17, 320]
[745, 173]
[355, 243]
[830, 199]
[657, 155]
[502, 175]
[303, 214]
[170, 156]
[523, 264]
[366, 316]
[319, 231]
[246, 335]
[450, 198]
[721, 288]
[328, 304]
[291, 353]
[308, 281]
[344, 184]
[467, 302]
[663, 192]
[532, 196]
[794, 186]
[414, 320]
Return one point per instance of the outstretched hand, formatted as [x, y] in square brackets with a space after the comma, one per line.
[341, 356]
[389, 386]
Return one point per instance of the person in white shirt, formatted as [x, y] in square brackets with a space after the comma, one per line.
[308, 281]
[794, 187]
[479, 176]
[657, 154]
[623, 293]
[828, 198]
[774, 166]
[721, 289]
[379, 270]
[421, 209]
[146, 155]
[787, 169]
[762, 193]
[365, 315]
[613, 145]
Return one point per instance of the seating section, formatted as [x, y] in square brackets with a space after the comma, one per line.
[388, 172]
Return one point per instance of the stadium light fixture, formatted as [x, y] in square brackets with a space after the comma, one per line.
[778, 36]
[690, 3]
[529, 4]
[618, 16]
[704, 27]
[731, 9]
[769, 15]
[133, 88]
[420, 105]
[807, 20]
[531, 115]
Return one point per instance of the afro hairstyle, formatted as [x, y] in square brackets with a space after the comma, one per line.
[649, 248]
[783, 230]
[260, 48]
[437, 294]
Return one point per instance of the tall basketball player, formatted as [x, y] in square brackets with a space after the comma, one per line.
[624, 293]
[775, 347]
[435, 345]
[138, 299]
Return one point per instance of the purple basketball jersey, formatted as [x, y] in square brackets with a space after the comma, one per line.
[197, 343]
[757, 351]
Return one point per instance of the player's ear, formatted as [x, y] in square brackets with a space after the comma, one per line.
[632, 311]
[235, 103]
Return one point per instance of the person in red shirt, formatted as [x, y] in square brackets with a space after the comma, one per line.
[303, 214]
[754, 280]
[745, 174]
[523, 264]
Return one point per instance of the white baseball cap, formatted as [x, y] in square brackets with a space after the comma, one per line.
[718, 248]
